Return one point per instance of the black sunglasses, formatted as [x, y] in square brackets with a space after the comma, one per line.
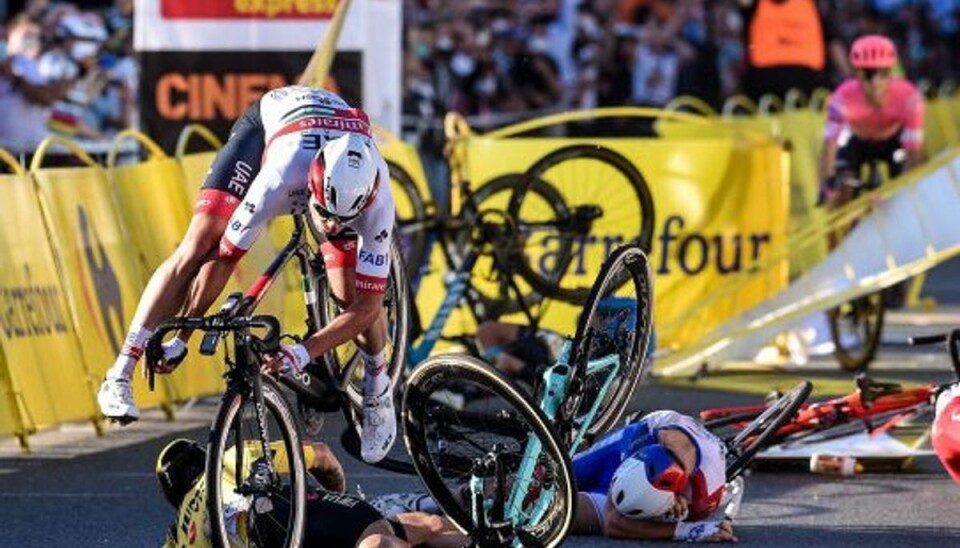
[328, 216]
[868, 74]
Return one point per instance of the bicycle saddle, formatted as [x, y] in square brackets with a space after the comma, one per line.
[870, 389]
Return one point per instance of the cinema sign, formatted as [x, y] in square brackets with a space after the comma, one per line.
[206, 62]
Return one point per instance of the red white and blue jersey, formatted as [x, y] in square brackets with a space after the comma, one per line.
[595, 467]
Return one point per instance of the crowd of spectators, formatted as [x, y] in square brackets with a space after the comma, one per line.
[498, 60]
[69, 71]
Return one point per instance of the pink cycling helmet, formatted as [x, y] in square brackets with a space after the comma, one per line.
[873, 52]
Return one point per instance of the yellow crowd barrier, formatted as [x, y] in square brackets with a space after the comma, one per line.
[720, 195]
[97, 258]
[44, 378]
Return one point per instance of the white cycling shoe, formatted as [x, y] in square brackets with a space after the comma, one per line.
[732, 498]
[116, 401]
[379, 426]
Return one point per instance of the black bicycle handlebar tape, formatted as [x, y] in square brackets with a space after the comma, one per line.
[271, 341]
[928, 339]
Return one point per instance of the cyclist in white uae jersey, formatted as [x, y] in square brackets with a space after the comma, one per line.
[297, 149]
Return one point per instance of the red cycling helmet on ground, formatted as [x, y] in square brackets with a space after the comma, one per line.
[873, 52]
[946, 431]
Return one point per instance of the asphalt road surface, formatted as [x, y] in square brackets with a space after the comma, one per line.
[80, 490]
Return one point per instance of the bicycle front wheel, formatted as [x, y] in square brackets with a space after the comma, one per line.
[530, 490]
[411, 215]
[756, 435]
[611, 342]
[254, 498]
[493, 292]
[608, 203]
[855, 328]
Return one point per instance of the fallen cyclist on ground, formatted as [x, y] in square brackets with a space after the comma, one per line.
[522, 352]
[662, 477]
[334, 519]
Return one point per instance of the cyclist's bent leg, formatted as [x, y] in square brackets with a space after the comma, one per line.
[228, 180]
[379, 419]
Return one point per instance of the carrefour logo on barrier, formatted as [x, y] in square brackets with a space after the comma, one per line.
[31, 310]
[691, 253]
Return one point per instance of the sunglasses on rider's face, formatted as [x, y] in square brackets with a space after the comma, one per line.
[328, 216]
[868, 74]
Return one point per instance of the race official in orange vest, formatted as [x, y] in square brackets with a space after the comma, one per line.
[788, 43]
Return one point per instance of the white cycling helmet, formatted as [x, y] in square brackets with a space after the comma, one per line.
[344, 176]
[645, 484]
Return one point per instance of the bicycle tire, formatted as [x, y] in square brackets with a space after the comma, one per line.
[551, 286]
[742, 448]
[867, 311]
[338, 360]
[426, 380]
[410, 228]
[223, 428]
[500, 302]
[626, 263]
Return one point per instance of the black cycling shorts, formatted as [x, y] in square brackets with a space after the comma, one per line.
[337, 520]
[856, 153]
[235, 166]
[333, 520]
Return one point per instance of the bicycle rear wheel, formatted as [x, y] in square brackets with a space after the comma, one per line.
[411, 214]
[616, 324]
[254, 499]
[493, 293]
[756, 435]
[533, 495]
[855, 328]
[607, 203]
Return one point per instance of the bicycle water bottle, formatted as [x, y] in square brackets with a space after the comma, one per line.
[834, 465]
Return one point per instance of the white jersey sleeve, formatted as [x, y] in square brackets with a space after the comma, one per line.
[374, 228]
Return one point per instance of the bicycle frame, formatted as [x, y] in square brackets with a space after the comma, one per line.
[311, 268]
[458, 286]
[557, 379]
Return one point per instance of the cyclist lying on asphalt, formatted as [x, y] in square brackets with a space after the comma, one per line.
[334, 519]
[522, 352]
[660, 478]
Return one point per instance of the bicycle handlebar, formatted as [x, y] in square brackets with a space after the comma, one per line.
[270, 342]
[952, 340]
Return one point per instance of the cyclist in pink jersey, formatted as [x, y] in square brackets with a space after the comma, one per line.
[874, 116]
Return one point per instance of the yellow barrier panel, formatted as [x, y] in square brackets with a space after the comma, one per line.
[721, 204]
[940, 127]
[96, 257]
[12, 421]
[47, 382]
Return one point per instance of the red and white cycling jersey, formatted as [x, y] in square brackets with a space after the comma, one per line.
[297, 122]
[902, 110]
